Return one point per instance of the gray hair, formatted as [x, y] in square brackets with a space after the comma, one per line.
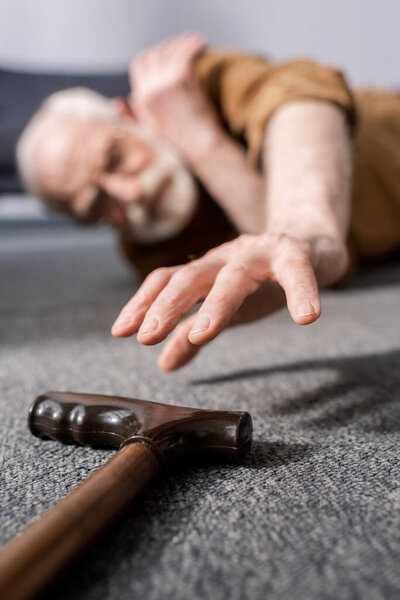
[79, 102]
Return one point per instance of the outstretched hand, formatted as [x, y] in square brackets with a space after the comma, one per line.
[239, 281]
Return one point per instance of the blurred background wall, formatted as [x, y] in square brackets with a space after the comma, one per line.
[101, 35]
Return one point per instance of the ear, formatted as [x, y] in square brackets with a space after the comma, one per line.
[123, 108]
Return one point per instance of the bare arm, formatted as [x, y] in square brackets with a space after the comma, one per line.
[308, 164]
[167, 98]
[305, 188]
[223, 168]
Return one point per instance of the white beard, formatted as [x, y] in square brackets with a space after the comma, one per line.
[176, 206]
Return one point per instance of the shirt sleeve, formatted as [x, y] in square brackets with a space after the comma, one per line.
[248, 89]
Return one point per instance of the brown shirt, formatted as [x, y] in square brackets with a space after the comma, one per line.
[375, 221]
[246, 90]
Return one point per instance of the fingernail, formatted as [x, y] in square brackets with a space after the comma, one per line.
[122, 322]
[149, 325]
[304, 309]
[201, 324]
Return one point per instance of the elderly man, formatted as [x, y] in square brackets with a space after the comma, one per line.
[300, 225]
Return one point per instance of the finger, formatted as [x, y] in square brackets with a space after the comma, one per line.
[142, 66]
[148, 52]
[132, 314]
[178, 350]
[138, 78]
[137, 65]
[296, 275]
[182, 52]
[169, 47]
[188, 285]
[187, 38]
[189, 49]
[233, 283]
[191, 41]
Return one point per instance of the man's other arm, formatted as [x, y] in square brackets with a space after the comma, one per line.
[171, 99]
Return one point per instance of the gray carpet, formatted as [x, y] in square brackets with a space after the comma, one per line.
[314, 514]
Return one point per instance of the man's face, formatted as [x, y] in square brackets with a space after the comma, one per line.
[101, 171]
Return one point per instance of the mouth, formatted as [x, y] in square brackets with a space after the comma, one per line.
[167, 202]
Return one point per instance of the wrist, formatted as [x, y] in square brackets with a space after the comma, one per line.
[328, 253]
[330, 258]
[315, 209]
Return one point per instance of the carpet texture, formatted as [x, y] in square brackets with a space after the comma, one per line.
[315, 511]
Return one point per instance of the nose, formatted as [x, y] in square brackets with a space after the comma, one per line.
[136, 161]
[123, 188]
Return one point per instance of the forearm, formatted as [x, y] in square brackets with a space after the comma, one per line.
[222, 166]
[307, 161]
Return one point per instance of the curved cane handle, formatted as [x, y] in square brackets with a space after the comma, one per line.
[96, 425]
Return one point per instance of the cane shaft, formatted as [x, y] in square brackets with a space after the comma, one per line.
[34, 557]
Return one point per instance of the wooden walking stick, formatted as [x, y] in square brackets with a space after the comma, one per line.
[149, 436]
